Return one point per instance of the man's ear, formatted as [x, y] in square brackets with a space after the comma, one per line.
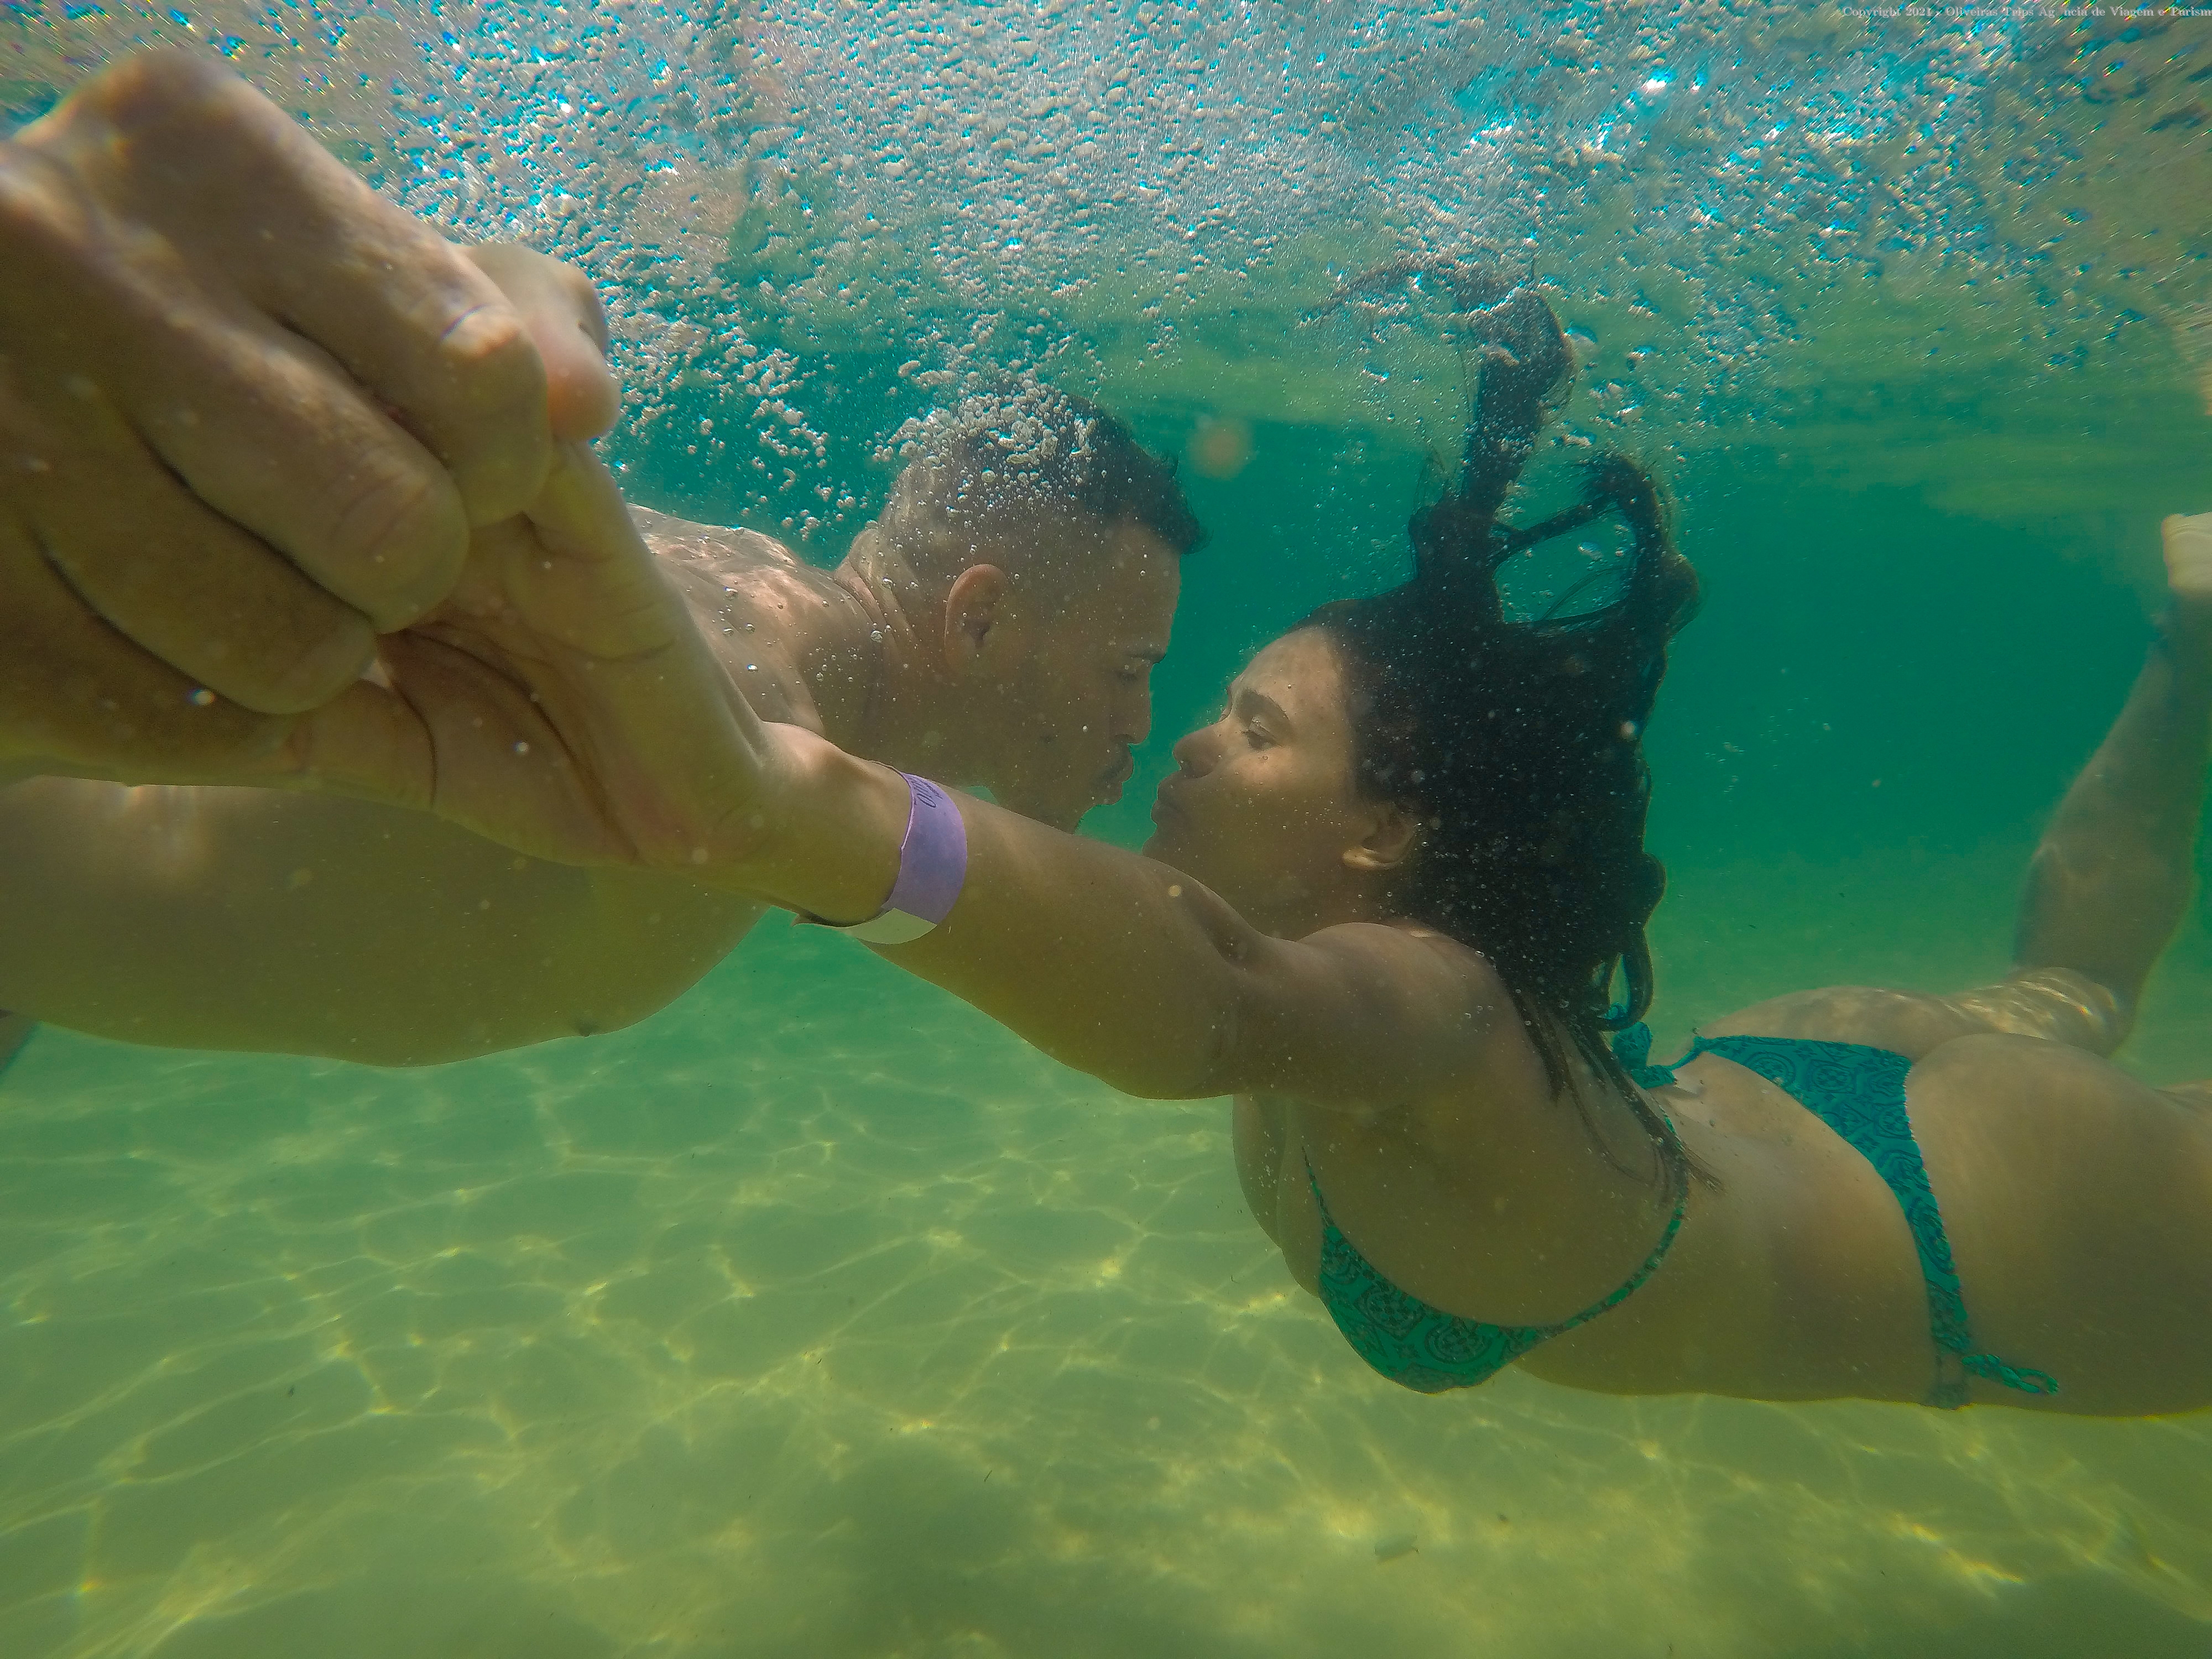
[982, 634]
[1393, 836]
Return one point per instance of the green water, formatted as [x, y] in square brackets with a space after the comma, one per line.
[817, 1317]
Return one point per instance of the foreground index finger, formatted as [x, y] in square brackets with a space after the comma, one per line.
[268, 431]
[561, 311]
[241, 190]
[189, 586]
[78, 694]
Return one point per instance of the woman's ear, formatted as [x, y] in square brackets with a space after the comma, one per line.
[979, 632]
[1393, 836]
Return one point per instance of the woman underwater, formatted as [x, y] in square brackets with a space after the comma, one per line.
[1392, 889]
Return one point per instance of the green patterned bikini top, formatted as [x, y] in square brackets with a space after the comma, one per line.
[1856, 1089]
[1425, 1348]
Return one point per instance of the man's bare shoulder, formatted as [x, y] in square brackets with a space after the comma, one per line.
[725, 550]
[748, 592]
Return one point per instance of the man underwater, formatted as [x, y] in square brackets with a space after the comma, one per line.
[996, 626]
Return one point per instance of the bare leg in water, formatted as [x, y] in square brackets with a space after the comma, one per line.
[2113, 875]
[2108, 885]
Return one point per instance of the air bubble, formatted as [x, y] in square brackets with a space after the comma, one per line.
[1105, 195]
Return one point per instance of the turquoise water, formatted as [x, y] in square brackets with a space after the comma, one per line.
[768, 1328]
[815, 1316]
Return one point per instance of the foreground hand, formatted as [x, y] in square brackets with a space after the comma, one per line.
[249, 412]
[561, 702]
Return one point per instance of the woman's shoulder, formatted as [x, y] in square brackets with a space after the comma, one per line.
[1416, 950]
[1381, 1018]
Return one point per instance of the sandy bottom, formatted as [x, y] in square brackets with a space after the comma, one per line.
[817, 1317]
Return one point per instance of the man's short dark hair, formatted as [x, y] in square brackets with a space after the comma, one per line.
[998, 462]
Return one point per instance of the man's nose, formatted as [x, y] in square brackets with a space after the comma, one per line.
[1132, 721]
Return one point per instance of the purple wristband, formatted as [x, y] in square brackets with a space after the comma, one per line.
[932, 866]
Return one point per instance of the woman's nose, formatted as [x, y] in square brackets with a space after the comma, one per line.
[1194, 751]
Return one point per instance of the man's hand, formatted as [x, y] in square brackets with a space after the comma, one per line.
[249, 414]
[561, 702]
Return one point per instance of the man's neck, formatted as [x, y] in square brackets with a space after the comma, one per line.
[855, 652]
[881, 652]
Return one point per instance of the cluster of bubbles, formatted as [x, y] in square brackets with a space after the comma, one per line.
[810, 221]
[1024, 442]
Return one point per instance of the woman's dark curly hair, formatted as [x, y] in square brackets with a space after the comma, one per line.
[1517, 745]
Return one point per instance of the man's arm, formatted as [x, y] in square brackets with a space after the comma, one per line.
[198, 917]
[209, 917]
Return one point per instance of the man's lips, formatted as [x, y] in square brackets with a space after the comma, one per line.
[1120, 776]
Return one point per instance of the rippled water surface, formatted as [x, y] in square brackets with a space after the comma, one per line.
[815, 1315]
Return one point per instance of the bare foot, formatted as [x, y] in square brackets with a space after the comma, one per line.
[2188, 557]
[2188, 579]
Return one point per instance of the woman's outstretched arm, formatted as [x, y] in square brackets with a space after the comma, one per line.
[565, 706]
[1119, 966]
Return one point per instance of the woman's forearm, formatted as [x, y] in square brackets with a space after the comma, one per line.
[1111, 963]
[1119, 966]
